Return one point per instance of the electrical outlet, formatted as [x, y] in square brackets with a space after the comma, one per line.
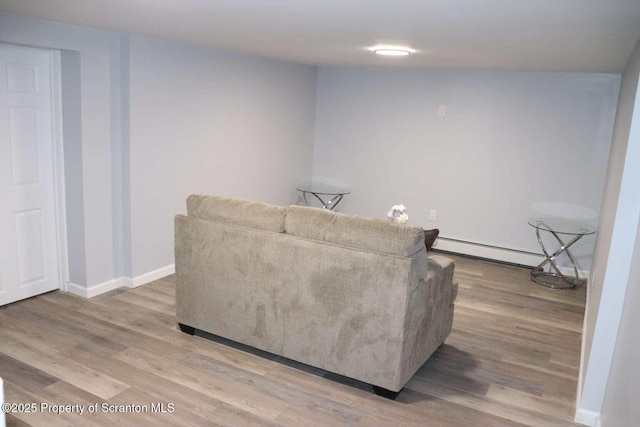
[433, 214]
[442, 110]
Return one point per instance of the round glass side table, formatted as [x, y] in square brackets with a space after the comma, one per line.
[554, 278]
[322, 193]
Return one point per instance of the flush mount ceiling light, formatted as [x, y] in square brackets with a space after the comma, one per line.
[392, 50]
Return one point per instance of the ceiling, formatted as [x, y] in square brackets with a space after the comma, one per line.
[541, 35]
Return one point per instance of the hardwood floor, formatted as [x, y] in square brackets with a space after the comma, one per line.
[511, 359]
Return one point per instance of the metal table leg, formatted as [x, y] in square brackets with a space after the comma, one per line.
[331, 204]
[556, 279]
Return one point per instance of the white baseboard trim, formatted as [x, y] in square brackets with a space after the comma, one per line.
[496, 253]
[587, 418]
[151, 276]
[488, 252]
[127, 282]
[94, 290]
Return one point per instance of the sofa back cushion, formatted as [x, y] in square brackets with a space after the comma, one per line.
[354, 231]
[235, 211]
[307, 222]
[375, 234]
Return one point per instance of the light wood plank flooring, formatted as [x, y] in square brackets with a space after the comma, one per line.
[511, 359]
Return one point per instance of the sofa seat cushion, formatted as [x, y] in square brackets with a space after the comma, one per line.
[235, 211]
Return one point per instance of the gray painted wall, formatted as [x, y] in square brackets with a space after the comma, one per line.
[95, 50]
[205, 121]
[615, 266]
[512, 146]
[620, 407]
[222, 106]
[70, 76]
[149, 122]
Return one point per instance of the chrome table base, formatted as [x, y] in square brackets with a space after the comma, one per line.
[554, 278]
[321, 193]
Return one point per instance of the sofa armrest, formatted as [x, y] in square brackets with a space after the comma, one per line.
[443, 268]
[429, 316]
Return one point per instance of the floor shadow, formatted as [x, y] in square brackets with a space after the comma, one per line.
[447, 366]
[287, 362]
[447, 371]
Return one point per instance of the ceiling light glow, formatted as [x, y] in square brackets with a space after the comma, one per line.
[392, 50]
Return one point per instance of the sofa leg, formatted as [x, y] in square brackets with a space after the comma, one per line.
[187, 329]
[383, 392]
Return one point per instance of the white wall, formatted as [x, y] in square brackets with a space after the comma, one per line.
[615, 266]
[512, 146]
[204, 121]
[71, 89]
[620, 406]
[148, 122]
[97, 134]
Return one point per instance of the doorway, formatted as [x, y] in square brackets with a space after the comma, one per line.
[30, 237]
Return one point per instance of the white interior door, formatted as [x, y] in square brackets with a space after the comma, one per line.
[28, 242]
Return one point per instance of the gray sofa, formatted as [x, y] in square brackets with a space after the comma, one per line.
[351, 295]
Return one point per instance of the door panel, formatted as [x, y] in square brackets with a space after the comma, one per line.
[29, 245]
[23, 137]
[28, 241]
[22, 78]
